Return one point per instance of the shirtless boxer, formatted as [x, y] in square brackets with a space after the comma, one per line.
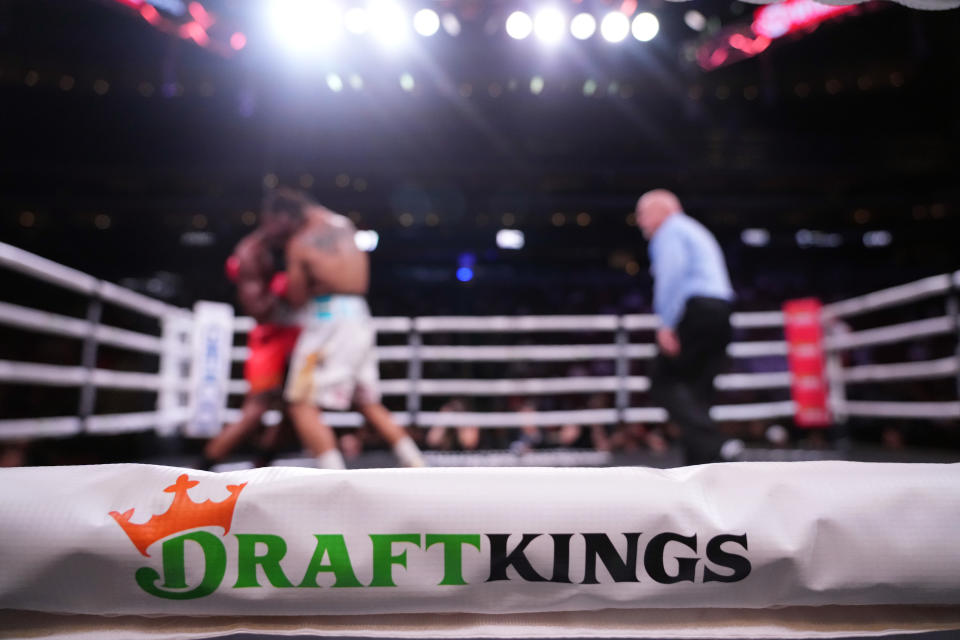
[270, 342]
[334, 364]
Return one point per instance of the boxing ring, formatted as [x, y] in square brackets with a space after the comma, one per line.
[759, 549]
[174, 390]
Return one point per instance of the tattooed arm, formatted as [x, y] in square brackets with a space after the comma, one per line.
[298, 276]
[323, 258]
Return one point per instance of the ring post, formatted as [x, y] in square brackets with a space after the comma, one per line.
[623, 370]
[88, 360]
[953, 310]
[414, 372]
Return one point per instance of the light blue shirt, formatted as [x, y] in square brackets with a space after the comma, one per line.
[685, 261]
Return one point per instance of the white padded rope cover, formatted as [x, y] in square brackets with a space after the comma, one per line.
[925, 370]
[49, 271]
[902, 332]
[45, 322]
[893, 296]
[484, 541]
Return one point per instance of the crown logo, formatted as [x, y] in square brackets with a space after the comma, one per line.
[183, 514]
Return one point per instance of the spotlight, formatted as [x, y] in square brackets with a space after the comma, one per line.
[536, 85]
[366, 240]
[519, 25]
[465, 274]
[406, 82]
[645, 27]
[334, 82]
[695, 20]
[549, 25]
[583, 26]
[877, 239]
[510, 239]
[426, 22]
[238, 41]
[755, 237]
[356, 20]
[388, 22]
[614, 27]
[450, 24]
[304, 26]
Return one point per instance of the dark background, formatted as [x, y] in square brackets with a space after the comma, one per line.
[850, 128]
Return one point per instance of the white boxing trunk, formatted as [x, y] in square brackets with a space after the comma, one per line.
[334, 363]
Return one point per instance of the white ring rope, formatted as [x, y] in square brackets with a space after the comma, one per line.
[174, 350]
[929, 410]
[46, 322]
[633, 322]
[42, 269]
[499, 324]
[910, 292]
[925, 370]
[892, 333]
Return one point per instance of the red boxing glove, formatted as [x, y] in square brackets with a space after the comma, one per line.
[278, 284]
[232, 268]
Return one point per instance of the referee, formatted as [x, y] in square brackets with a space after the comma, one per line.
[692, 297]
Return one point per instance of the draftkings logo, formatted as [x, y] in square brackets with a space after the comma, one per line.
[723, 557]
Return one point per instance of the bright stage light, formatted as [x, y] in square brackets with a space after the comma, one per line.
[510, 239]
[366, 239]
[614, 27]
[450, 24]
[645, 27]
[335, 82]
[549, 25]
[519, 25]
[356, 20]
[877, 239]
[755, 237]
[583, 26]
[465, 274]
[305, 26]
[695, 20]
[388, 22]
[426, 22]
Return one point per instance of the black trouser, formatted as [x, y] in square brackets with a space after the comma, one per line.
[683, 385]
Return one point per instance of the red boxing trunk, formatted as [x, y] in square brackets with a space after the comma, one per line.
[270, 347]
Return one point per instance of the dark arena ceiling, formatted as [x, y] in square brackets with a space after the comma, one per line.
[134, 143]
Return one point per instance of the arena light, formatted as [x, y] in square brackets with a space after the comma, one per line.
[614, 27]
[874, 239]
[776, 20]
[356, 20]
[695, 20]
[366, 240]
[426, 22]
[304, 26]
[807, 238]
[450, 24]
[388, 22]
[755, 237]
[583, 26]
[549, 25]
[645, 27]
[334, 82]
[510, 239]
[519, 25]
